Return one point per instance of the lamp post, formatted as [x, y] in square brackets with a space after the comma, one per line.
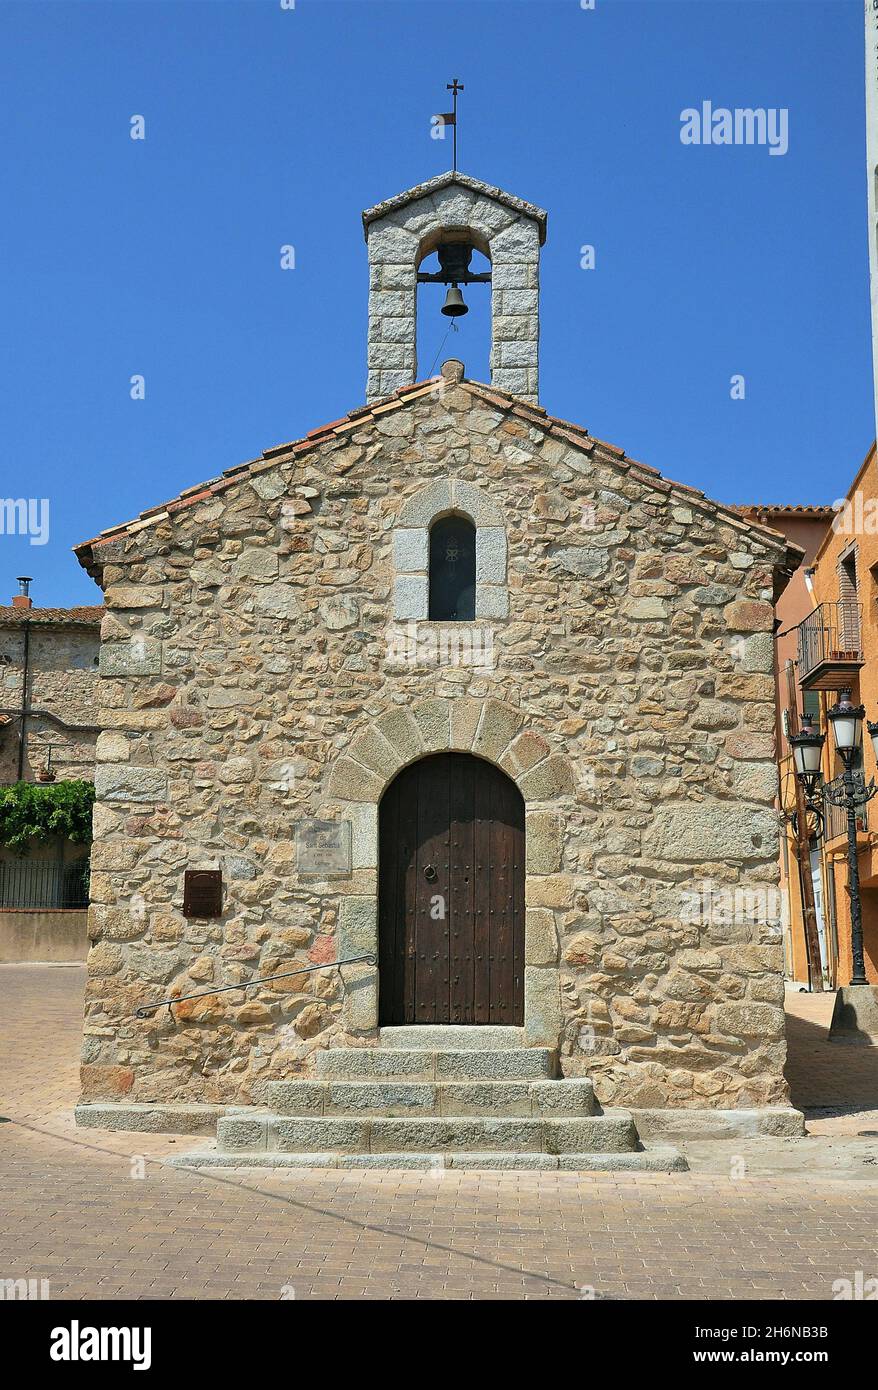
[846, 722]
[847, 727]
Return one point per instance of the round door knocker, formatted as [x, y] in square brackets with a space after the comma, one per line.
[430, 873]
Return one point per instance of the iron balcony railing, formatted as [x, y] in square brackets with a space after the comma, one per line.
[40, 883]
[830, 634]
[837, 816]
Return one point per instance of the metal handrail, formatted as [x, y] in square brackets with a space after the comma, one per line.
[146, 1009]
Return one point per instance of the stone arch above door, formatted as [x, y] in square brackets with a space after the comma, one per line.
[411, 544]
[489, 728]
[547, 780]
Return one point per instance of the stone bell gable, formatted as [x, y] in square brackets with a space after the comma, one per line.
[402, 231]
[269, 668]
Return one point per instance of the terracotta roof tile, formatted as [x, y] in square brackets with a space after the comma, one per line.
[615, 449]
[582, 441]
[188, 501]
[325, 429]
[88, 615]
[188, 491]
[488, 393]
[644, 467]
[807, 509]
[420, 388]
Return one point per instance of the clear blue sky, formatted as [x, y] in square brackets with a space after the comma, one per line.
[267, 126]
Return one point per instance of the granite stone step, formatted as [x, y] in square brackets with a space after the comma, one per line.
[389, 1099]
[266, 1132]
[440, 1037]
[423, 1064]
[660, 1159]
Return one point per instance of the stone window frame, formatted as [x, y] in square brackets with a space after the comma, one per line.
[411, 549]
[500, 734]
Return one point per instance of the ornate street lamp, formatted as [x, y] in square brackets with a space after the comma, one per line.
[846, 722]
[807, 746]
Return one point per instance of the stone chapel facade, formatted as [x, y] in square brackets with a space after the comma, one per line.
[523, 816]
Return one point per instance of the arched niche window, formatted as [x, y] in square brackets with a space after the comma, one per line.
[449, 555]
[452, 571]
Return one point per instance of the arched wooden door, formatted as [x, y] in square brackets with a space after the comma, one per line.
[451, 894]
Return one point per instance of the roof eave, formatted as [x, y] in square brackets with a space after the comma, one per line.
[536, 415]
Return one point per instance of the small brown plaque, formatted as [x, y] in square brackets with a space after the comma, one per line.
[203, 893]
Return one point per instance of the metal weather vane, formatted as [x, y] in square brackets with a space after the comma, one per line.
[450, 117]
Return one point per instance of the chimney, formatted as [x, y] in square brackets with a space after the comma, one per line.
[23, 599]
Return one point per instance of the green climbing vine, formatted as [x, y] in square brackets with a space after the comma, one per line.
[40, 811]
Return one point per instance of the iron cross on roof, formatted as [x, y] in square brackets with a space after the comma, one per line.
[453, 87]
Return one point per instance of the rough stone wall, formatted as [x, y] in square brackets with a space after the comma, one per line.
[62, 679]
[250, 681]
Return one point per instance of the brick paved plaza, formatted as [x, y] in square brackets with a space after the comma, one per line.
[758, 1219]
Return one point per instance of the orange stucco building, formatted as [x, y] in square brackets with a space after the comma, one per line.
[827, 641]
[844, 585]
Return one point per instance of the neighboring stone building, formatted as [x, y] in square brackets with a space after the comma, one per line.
[455, 684]
[52, 730]
[48, 731]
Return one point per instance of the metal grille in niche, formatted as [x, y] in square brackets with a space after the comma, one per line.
[453, 570]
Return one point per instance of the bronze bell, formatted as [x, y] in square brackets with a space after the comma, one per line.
[454, 306]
